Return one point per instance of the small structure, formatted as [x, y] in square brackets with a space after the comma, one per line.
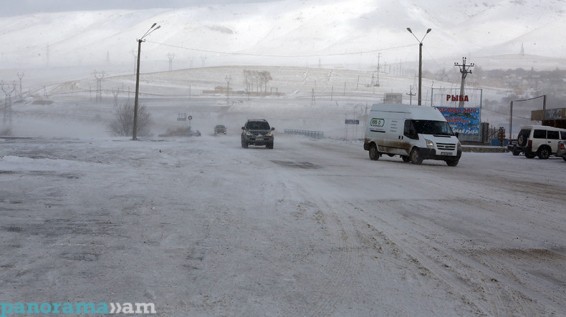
[550, 117]
[393, 98]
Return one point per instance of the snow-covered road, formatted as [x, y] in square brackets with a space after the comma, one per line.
[202, 227]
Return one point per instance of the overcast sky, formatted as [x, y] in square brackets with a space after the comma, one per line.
[19, 7]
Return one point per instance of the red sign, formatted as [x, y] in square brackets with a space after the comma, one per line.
[457, 98]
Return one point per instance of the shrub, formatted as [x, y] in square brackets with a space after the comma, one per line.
[123, 123]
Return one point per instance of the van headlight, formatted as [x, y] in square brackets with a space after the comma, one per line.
[429, 144]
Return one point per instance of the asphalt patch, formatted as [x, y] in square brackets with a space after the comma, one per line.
[302, 165]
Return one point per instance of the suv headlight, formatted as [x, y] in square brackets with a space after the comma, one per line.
[429, 144]
[270, 133]
[248, 133]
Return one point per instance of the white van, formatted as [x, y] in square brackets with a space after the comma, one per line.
[415, 133]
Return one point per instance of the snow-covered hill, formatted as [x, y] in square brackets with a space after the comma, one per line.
[288, 32]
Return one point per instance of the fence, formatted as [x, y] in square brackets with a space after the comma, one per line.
[309, 133]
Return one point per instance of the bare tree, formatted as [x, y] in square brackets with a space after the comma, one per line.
[123, 122]
[256, 79]
[265, 77]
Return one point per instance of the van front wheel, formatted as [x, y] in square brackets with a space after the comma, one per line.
[373, 153]
[452, 162]
[415, 157]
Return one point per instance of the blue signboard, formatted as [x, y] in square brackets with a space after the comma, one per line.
[462, 120]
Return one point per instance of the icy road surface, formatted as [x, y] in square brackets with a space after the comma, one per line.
[202, 227]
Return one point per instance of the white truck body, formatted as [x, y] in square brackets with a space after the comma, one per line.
[413, 132]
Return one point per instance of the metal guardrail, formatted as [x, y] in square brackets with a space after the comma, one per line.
[309, 133]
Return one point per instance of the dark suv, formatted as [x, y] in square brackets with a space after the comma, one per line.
[257, 132]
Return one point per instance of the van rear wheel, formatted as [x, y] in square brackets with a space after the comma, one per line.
[415, 157]
[373, 153]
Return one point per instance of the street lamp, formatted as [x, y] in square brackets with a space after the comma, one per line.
[140, 40]
[420, 61]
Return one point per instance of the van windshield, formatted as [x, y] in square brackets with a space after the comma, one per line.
[432, 127]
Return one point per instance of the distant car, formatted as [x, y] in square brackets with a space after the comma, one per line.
[191, 132]
[257, 132]
[561, 152]
[219, 129]
[514, 148]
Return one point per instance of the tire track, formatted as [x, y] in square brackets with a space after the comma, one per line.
[480, 287]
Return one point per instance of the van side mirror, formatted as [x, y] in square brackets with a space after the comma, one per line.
[457, 134]
[272, 128]
[243, 128]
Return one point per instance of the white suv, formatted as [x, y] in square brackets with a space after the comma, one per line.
[539, 140]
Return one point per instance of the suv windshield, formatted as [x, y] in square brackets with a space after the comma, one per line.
[257, 125]
[432, 127]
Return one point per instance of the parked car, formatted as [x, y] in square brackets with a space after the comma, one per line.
[561, 152]
[514, 148]
[191, 132]
[539, 140]
[257, 132]
[219, 129]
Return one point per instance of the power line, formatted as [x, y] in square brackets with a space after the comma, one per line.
[279, 56]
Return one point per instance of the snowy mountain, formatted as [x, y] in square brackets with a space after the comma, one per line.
[289, 32]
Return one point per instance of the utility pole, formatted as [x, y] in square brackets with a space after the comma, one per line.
[228, 78]
[464, 70]
[140, 40]
[21, 76]
[99, 77]
[331, 92]
[377, 71]
[313, 99]
[411, 94]
[171, 56]
[8, 101]
[420, 62]
[115, 93]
